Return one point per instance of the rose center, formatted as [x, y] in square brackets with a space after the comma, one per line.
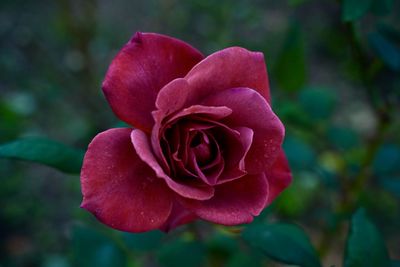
[200, 146]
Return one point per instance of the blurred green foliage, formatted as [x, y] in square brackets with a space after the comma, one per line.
[334, 71]
[283, 242]
[364, 239]
[44, 151]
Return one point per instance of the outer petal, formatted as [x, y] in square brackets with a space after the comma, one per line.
[140, 70]
[228, 68]
[249, 109]
[279, 177]
[233, 203]
[189, 189]
[178, 216]
[119, 188]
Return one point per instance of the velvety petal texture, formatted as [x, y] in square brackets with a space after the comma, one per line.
[179, 215]
[139, 71]
[190, 189]
[279, 176]
[119, 188]
[206, 143]
[233, 203]
[229, 68]
[251, 110]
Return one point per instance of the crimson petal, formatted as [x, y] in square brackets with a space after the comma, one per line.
[233, 203]
[139, 71]
[251, 110]
[162, 122]
[179, 215]
[238, 170]
[190, 189]
[228, 68]
[279, 177]
[119, 188]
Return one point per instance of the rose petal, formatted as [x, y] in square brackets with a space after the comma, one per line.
[211, 176]
[218, 162]
[209, 172]
[179, 216]
[279, 177]
[210, 112]
[138, 72]
[249, 109]
[186, 129]
[236, 143]
[238, 169]
[189, 188]
[162, 123]
[233, 203]
[173, 96]
[181, 169]
[119, 188]
[228, 68]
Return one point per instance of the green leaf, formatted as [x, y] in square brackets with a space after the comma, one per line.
[364, 239]
[354, 9]
[91, 248]
[44, 151]
[182, 253]
[319, 103]
[386, 50]
[290, 68]
[283, 242]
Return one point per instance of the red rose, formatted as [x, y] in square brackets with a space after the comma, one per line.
[206, 143]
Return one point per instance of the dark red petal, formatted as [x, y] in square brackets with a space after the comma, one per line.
[161, 123]
[119, 188]
[210, 112]
[238, 170]
[202, 153]
[173, 96]
[249, 109]
[233, 203]
[179, 216]
[210, 179]
[228, 68]
[190, 189]
[279, 177]
[139, 71]
[218, 163]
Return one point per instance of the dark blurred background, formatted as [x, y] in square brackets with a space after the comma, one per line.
[335, 85]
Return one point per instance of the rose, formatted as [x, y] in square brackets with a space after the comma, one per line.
[206, 143]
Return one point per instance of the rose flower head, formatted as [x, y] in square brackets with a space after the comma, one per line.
[204, 142]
